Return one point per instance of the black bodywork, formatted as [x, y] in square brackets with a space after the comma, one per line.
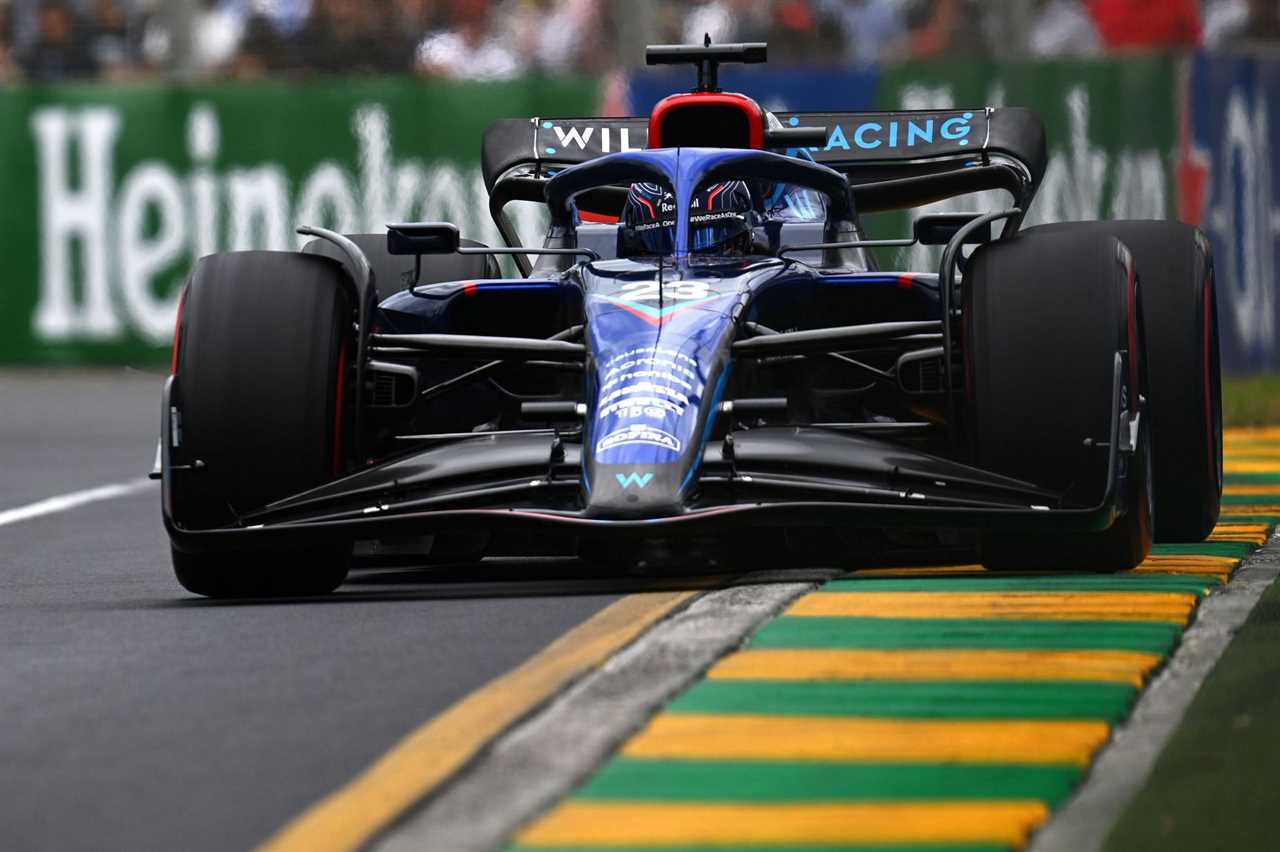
[815, 390]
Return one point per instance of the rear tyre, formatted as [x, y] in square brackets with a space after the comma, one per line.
[1044, 316]
[1175, 268]
[262, 387]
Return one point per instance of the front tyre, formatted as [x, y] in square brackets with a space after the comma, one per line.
[262, 391]
[1045, 315]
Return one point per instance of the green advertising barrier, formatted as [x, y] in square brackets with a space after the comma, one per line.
[110, 193]
[1112, 127]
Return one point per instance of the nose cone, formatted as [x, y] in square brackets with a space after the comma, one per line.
[656, 370]
[658, 352]
[631, 492]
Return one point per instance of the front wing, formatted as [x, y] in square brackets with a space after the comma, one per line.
[779, 476]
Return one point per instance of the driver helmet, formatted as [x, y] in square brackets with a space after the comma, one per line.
[720, 220]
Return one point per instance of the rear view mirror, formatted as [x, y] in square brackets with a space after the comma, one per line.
[423, 238]
[939, 228]
[795, 137]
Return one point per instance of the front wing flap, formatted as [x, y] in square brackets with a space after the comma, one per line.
[512, 482]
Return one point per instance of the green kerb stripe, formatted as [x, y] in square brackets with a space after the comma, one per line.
[628, 779]
[1209, 548]
[1252, 479]
[1248, 519]
[961, 847]
[825, 632]
[912, 700]
[1051, 583]
[1268, 500]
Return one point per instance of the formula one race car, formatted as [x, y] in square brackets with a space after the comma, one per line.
[703, 362]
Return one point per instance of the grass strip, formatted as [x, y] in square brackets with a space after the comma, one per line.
[912, 700]
[1250, 400]
[904, 633]
[1214, 785]
[628, 779]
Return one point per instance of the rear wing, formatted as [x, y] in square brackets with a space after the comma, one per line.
[869, 147]
[893, 160]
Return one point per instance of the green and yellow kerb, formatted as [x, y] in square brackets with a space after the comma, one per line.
[920, 709]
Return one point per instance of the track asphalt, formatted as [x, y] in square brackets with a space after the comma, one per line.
[935, 707]
[135, 716]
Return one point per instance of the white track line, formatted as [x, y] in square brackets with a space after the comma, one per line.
[75, 499]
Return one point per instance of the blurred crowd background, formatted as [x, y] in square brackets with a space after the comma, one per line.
[52, 40]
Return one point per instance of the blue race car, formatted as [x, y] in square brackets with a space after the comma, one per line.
[703, 363]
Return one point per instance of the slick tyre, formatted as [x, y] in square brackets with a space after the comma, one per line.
[1175, 273]
[263, 392]
[1044, 315]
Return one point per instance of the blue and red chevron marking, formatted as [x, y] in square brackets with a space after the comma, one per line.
[657, 316]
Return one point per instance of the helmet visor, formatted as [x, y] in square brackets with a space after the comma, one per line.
[721, 232]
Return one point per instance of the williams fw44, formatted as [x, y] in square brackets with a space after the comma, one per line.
[705, 357]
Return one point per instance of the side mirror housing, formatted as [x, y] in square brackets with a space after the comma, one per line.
[795, 137]
[419, 238]
[937, 229]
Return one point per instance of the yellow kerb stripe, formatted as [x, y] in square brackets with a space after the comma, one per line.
[1232, 465]
[1240, 452]
[725, 737]
[936, 664]
[349, 818]
[1161, 564]
[1251, 433]
[1218, 566]
[919, 571]
[1002, 823]
[1085, 606]
[1242, 538]
[1252, 490]
[1176, 560]
[1260, 508]
[1228, 528]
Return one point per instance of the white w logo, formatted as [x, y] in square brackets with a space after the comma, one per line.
[627, 480]
[574, 136]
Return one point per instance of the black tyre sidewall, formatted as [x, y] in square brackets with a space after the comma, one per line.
[264, 343]
[265, 347]
[1043, 319]
[1044, 315]
[1175, 267]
